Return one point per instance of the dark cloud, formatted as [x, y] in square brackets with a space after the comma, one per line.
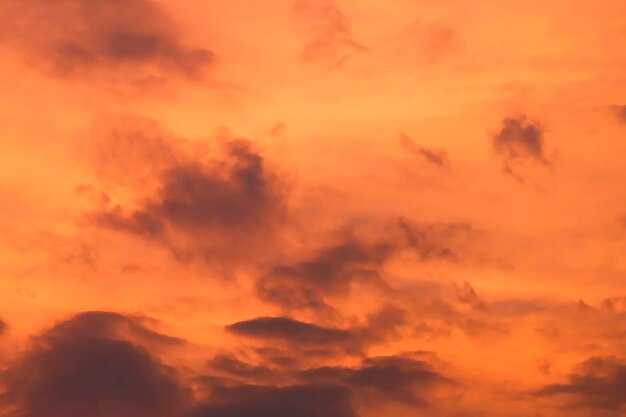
[291, 331]
[598, 383]
[3, 327]
[330, 40]
[388, 378]
[330, 272]
[310, 400]
[438, 157]
[619, 112]
[517, 142]
[195, 197]
[135, 38]
[397, 378]
[80, 369]
[207, 203]
[519, 139]
[316, 341]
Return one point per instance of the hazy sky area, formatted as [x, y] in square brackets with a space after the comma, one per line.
[312, 208]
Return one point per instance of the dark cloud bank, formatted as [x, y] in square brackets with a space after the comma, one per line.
[99, 364]
[93, 365]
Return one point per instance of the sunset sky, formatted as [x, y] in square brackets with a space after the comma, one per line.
[312, 208]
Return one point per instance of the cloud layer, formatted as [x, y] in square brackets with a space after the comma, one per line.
[305, 208]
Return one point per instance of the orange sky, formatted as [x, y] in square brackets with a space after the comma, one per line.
[312, 208]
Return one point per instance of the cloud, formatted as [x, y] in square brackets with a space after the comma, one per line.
[78, 368]
[518, 138]
[98, 364]
[408, 379]
[388, 378]
[598, 383]
[330, 40]
[519, 141]
[444, 241]
[396, 378]
[376, 327]
[194, 196]
[211, 203]
[438, 157]
[291, 331]
[112, 325]
[329, 272]
[309, 400]
[135, 39]
[3, 327]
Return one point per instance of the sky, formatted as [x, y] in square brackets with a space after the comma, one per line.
[312, 208]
